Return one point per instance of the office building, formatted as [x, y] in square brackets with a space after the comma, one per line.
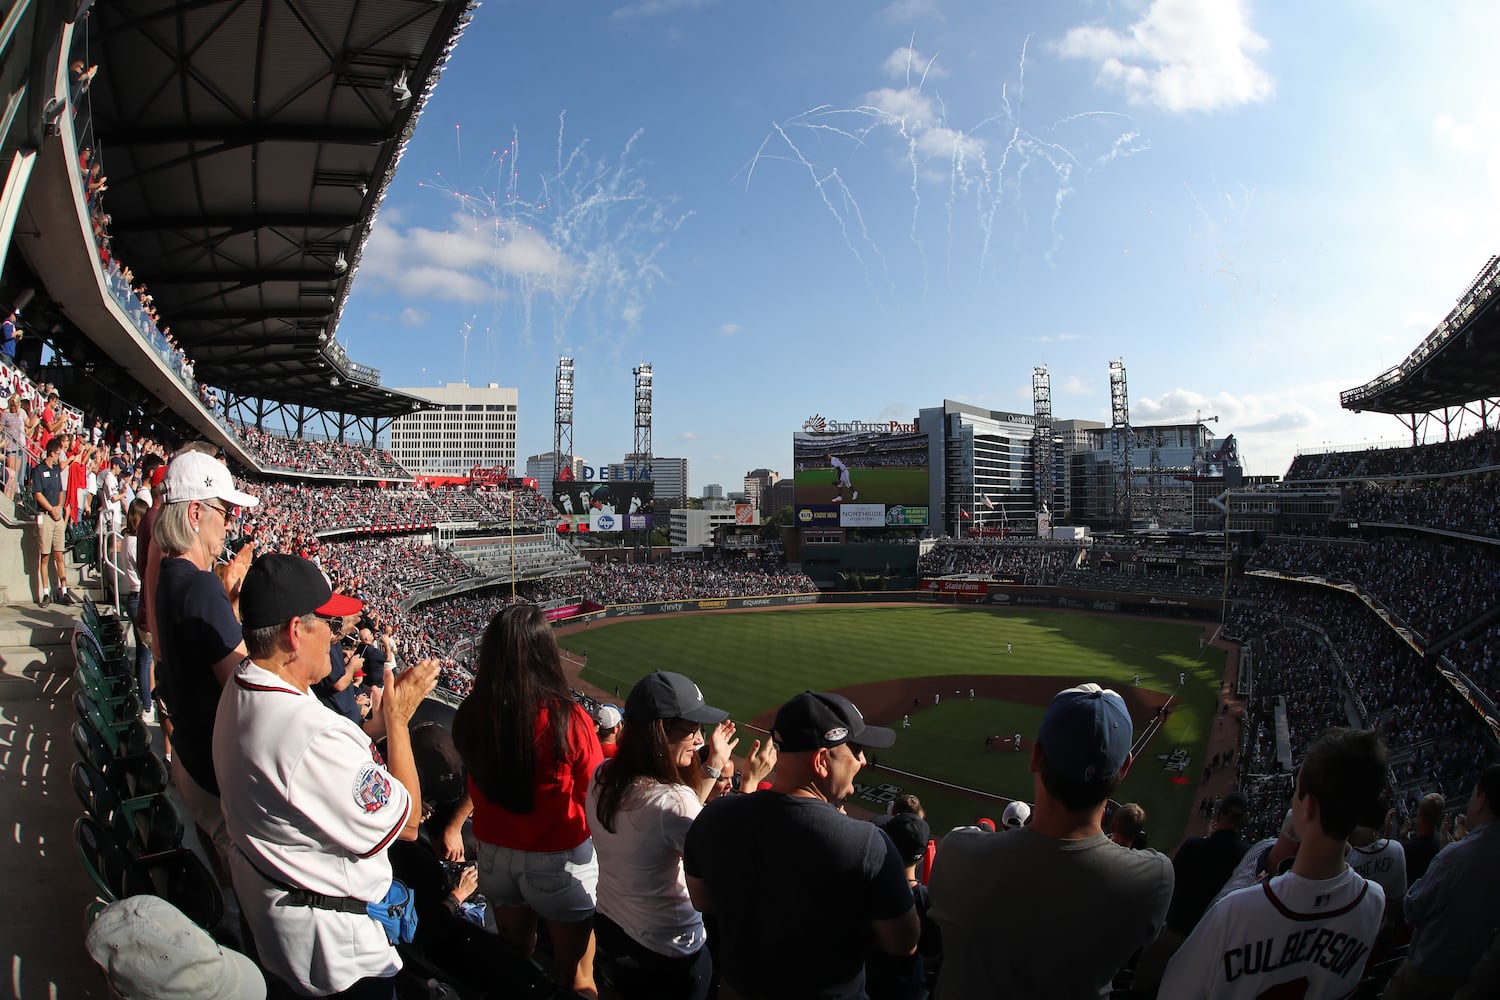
[472, 426]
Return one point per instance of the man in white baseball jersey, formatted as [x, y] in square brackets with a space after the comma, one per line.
[841, 478]
[1307, 933]
[308, 801]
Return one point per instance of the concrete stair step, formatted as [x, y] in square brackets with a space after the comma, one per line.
[32, 672]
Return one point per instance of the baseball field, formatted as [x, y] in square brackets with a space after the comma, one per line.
[956, 684]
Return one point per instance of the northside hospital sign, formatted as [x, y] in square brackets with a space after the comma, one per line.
[817, 424]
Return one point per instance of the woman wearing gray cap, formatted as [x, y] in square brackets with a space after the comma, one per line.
[640, 806]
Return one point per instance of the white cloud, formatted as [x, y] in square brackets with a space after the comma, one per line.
[1181, 55]
[1058, 338]
[1270, 427]
[412, 317]
[466, 263]
[688, 436]
[917, 116]
[1075, 386]
[909, 64]
[729, 330]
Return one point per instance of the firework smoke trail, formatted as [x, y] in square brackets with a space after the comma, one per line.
[574, 249]
[1002, 165]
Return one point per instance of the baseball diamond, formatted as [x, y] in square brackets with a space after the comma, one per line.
[941, 678]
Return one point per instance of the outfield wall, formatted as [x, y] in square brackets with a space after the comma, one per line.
[1005, 596]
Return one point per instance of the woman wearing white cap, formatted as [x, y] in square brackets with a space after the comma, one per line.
[196, 629]
[640, 806]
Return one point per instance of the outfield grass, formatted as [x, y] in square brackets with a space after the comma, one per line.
[897, 485]
[748, 664]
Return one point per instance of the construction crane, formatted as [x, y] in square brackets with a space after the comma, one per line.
[1199, 458]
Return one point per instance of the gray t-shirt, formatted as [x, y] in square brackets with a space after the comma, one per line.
[1025, 915]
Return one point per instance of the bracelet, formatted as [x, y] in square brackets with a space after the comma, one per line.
[712, 772]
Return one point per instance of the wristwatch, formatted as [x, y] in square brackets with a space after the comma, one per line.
[712, 772]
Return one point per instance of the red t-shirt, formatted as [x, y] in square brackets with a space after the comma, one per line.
[610, 749]
[557, 821]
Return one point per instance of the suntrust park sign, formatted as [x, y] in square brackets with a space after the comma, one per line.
[818, 424]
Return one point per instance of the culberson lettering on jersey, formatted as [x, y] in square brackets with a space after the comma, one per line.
[1336, 951]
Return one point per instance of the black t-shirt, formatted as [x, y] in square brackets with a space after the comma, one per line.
[1201, 868]
[197, 628]
[795, 884]
[375, 659]
[1420, 851]
[343, 702]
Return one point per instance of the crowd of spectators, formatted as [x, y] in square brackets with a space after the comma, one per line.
[1433, 584]
[1033, 563]
[306, 508]
[1480, 450]
[330, 458]
[1335, 660]
[1469, 504]
[1141, 569]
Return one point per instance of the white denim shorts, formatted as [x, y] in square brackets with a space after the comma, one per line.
[560, 885]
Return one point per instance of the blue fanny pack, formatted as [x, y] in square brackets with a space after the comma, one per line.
[396, 912]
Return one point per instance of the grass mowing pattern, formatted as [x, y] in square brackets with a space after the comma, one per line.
[749, 663]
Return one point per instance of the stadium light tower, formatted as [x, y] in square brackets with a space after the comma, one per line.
[642, 450]
[1041, 443]
[641, 456]
[562, 419]
[1119, 441]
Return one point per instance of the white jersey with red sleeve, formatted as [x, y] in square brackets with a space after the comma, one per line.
[308, 801]
[1288, 937]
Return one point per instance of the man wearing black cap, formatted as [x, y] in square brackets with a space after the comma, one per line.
[1088, 904]
[309, 803]
[802, 891]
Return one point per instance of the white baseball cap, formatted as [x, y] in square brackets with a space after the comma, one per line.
[148, 948]
[195, 476]
[1015, 816]
[609, 717]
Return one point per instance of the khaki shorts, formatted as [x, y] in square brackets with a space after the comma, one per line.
[53, 535]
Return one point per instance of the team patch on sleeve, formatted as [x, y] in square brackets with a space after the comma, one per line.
[372, 789]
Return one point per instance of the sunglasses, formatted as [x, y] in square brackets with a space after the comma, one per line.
[225, 512]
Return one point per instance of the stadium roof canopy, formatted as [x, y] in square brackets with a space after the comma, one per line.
[247, 145]
[1458, 363]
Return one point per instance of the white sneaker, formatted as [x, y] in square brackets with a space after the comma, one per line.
[149, 716]
[856, 494]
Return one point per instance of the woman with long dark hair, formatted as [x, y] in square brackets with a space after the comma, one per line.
[641, 804]
[529, 750]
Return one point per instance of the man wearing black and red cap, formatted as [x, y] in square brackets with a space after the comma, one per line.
[309, 803]
[803, 893]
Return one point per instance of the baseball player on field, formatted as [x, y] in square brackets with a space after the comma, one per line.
[309, 804]
[841, 478]
[1308, 933]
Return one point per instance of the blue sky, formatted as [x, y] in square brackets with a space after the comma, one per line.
[859, 209]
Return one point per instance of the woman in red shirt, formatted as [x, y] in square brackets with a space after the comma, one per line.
[529, 750]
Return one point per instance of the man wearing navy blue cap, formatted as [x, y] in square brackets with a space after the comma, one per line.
[802, 891]
[1078, 904]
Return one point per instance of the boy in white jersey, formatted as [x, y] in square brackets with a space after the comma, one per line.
[1308, 932]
